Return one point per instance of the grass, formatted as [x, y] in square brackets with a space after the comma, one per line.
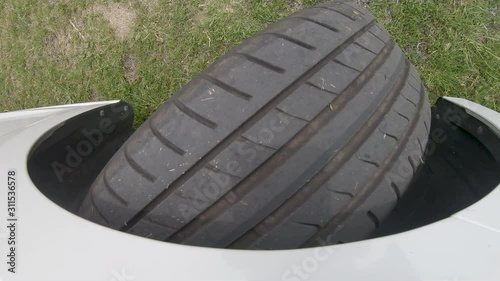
[143, 51]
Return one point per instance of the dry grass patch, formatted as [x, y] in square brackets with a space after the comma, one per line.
[120, 16]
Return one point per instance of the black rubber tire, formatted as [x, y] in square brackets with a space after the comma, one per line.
[306, 134]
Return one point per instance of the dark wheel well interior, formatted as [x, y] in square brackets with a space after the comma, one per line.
[462, 165]
[66, 160]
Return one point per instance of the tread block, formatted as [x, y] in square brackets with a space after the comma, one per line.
[334, 77]
[157, 158]
[242, 157]
[217, 104]
[306, 102]
[342, 180]
[376, 148]
[380, 33]
[193, 197]
[179, 130]
[289, 39]
[414, 83]
[370, 42]
[322, 39]
[405, 108]
[246, 74]
[275, 129]
[278, 52]
[393, 125]
[397, 119]
[355, 57]
[411, 94]
[332, 19]
[113, 211]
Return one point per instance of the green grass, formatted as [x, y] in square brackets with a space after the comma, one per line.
[67, 51]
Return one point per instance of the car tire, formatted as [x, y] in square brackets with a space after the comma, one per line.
[306, 134]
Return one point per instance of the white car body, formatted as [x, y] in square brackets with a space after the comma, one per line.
[54, 244]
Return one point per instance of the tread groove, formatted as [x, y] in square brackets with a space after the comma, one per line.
[245, 126]
[389, 135]
[402, 115]
[138, 168]
[364, 48]
[291, 39]
[291, 115]
[369, 162]
[256, 143]
[414, 104]
[413, 87]
[261, 62]
[342, 193]
[395, 188]
[164, 140]
[421, 146]
[416, 78]
[307, 224]
[194, 115]
[108, 187]
[376, 36]
[373, 218]
[230, 89]
[317, 23]
[348, 66]
[366, 190]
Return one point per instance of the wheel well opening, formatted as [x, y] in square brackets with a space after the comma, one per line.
[66, 160]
